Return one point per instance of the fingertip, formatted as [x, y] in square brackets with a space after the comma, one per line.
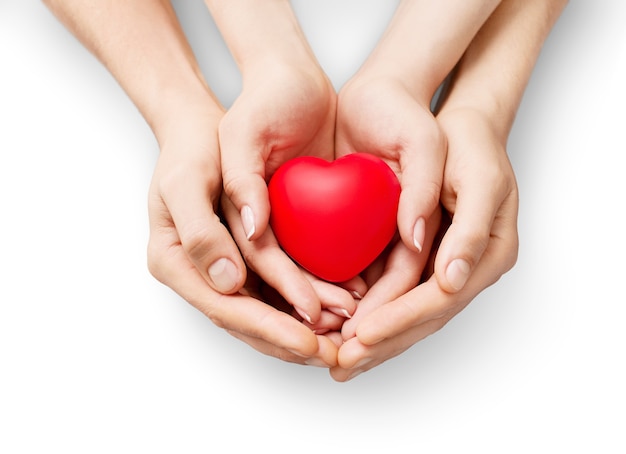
[416, 208]
[249, 194]
[456, 274]
[225, 276]
[307, 344]
[368, 334]
[419, 234]
[248, 221]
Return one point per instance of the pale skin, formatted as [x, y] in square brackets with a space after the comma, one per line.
[211, 158]
[478, 190]
[190, 250]
[286, 109]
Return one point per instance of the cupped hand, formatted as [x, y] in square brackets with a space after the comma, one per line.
[480, 197]
[191, 251]
[183, 202]
[381, 116]
[283, 112]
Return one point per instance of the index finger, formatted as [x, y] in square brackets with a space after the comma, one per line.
[428, 301]
[237, 313]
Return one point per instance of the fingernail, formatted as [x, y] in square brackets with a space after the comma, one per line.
[362, 363]
[305, 316]
[315, 362]
[356, 295]
[457, 273]
[295, 352]
[355, 374]
[224, 275]
[247, 219]
[340, 311]
[419, 233]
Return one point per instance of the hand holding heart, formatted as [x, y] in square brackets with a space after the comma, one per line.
[335, 218]
[383, 111]
[452, 169]
[381, 327]
[376, 116]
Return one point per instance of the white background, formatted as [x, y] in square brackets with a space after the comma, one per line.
[97, 356]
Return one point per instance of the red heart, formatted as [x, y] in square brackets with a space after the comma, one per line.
[334, 218]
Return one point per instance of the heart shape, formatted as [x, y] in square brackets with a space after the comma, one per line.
[334, 218]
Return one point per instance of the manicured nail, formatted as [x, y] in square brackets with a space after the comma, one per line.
[247, 219]
[305, 316]
[224, 275]
[457, 273]
[356, 295]
[340, 311]
[419, 233]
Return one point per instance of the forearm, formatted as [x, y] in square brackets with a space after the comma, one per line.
[141, 43]
[425, 39]
[261, 31]
[495, 70]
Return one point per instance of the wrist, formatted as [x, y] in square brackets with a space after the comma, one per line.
[492, 75]
[261, 31]
[420, 85]
[180, 112]
[425, 40]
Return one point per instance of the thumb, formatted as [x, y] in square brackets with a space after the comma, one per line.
[421, 181]
[467, 237]
[205, 240]
[243, 174]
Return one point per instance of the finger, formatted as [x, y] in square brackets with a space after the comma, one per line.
[328, 321]
[354, 358]
[325, 356]
[403, 271]
[243, 172]
[334, 337]
[186, 204]
[472, 229]
[429, 301]
[268, 260]
[239, 313]
[422, 164]
[332, 297]
[356, 286]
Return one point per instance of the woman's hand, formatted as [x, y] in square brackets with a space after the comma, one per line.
[480, 196]
[286, 109]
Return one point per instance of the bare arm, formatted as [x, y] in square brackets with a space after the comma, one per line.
[425, 39]
[496, 68]
[479, 189]
[142, 45]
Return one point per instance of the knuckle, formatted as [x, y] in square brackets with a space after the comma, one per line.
[499, 176]
[431, 193]
[233, 182]
[254, 258]
[197, 239]
[512, 253]
[476, 240]
[215, 316]
[155, 261]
